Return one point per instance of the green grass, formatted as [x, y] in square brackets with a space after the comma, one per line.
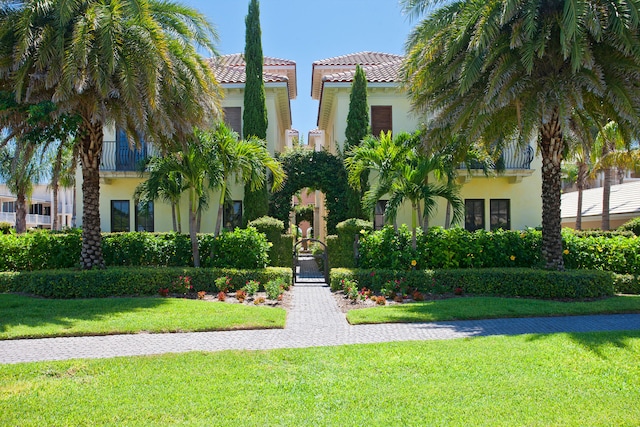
[490, 308]
[27, 317]
[532, 380]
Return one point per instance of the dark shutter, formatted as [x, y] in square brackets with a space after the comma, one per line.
[381, 120]
[233, 118]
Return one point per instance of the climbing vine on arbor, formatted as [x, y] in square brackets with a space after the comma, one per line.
[318, 170]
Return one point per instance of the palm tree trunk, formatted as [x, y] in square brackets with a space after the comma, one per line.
[606, 197]
[21, 213]
[220, 209]
[91, 137]
[193, 234]
[551, 143]
[582, 178]
[54, 206]
[447, 216]
[414, 225]
[173, 217]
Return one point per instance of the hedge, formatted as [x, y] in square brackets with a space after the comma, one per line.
[281, 249]
[505, 282]
[340, 247]
[127, 281]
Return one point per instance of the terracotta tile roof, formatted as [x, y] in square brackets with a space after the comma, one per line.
[359, 58]
[230, 69]
[381, 73]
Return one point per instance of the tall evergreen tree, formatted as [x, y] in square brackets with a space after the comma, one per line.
[358, 117]
[254, 116]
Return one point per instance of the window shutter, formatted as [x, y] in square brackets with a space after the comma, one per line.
[233, 118]
[381, 120]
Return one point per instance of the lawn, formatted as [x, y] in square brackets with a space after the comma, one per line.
[490, 307]
[529, 380]
[28, 317]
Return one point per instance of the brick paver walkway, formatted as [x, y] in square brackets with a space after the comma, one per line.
[314, 320]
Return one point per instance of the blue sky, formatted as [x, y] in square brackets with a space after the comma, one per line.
[305, 31]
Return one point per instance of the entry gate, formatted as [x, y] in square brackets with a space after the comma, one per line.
[298, 264]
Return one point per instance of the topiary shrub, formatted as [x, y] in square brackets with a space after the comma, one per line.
[280, 252]
[627, 284]
[341, 247]
[5, 227]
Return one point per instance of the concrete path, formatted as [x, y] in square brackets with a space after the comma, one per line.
[314, 320]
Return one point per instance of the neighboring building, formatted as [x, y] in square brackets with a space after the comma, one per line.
[624, 205]
[119, 211]
[38, 207]
[511, 200]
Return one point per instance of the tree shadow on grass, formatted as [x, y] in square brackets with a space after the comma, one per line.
[597, 342]
[34, 312]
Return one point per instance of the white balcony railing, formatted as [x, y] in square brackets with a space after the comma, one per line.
[32, 219]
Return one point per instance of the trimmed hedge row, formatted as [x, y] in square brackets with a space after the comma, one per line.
[340, 247]
[511, 282]
[457, 248]
[44, 250]
[128, 281]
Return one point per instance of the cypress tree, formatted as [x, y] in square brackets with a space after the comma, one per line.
[254, 116]
[357, 129]
[358, 117]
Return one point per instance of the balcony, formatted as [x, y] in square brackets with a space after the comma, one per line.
[515, 162]
[33, 220]
[120, 160]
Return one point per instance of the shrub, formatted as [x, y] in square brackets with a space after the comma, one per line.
[632, 225]
[243, 248]
[274, 288]
[280, 252]
[508, 282]
[5, 227]
[340, 248]
[251, 287]
[627, 284]
[127, 281]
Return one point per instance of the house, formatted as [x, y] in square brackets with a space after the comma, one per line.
[510, 200]
[119, 211]
[624, 205]
[38, 207]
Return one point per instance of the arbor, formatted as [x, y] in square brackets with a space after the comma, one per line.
[504, 70]
[128, 63]
[403, 174]
[254, 116]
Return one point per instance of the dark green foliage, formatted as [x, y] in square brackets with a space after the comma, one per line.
[317, 170]
[254, 116]
[632, 225]
[127, 281]
[627, 284]
[504, 282]
[304, 213]
[358, 116]
[37, 250]
[281, 250]
[244, 248]
[341, 247]
[5, 227]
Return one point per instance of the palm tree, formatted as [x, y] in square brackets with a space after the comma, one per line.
[63, 173]
[247, 160]
[20, 169]
[123, 62]
[403, 174]
[505, 70]
[163, 182]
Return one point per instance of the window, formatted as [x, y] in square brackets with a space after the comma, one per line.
[378, 217]
[381, 120]
[119, 215]
[8, 206]
[36, 209]
[474, 214]
[233, 118]
[144, 216]
[232, 215]
[500, 214]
